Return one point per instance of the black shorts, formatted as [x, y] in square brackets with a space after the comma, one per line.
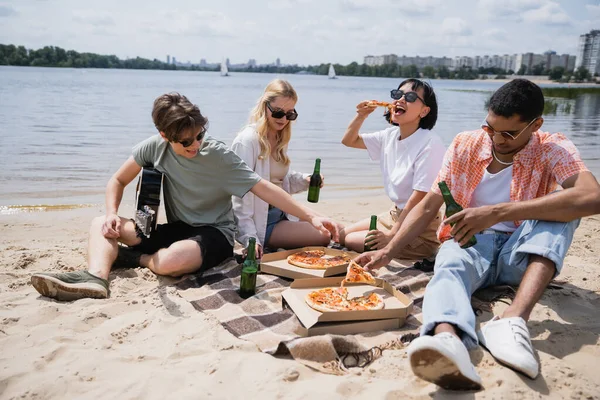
[213, 244]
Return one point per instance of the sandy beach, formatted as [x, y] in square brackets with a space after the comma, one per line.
[146, 341]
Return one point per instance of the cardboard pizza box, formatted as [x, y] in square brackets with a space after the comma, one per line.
[276, 264]
[397, 307]
[350, 328]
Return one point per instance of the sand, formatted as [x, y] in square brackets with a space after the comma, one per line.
[146, 342]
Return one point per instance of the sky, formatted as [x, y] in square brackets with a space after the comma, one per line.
[304, 32]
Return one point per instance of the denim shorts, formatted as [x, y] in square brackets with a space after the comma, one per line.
[275, 216]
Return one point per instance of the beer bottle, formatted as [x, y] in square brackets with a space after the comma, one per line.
[372, 227]
[249, 271]
[315, 183]
[452, 207]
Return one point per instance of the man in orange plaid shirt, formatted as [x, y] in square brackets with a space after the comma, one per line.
[505, 176]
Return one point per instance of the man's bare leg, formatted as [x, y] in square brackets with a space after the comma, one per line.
[538, 275]
[180, 258]
[507, 338]
[102, 251]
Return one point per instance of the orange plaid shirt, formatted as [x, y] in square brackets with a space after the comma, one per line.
[543, 164]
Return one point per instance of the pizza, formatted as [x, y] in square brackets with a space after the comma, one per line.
[317, 259]
[381, 104]
[336, 299]
[356, 273]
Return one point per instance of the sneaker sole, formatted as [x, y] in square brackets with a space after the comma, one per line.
[55, 288]
[434, 367]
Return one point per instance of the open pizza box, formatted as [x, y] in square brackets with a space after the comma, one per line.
[397, 308]
[276, 264]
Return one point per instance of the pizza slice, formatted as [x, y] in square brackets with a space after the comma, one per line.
[381, 104]
[356, 273]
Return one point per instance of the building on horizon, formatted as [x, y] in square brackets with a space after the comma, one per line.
[506, 62]
[168, 59]
[174, 60]
[588, 52]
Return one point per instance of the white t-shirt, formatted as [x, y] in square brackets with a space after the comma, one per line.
[408, 164]
[494, 189]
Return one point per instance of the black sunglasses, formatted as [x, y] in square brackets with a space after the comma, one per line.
[189, 142]
[410, 97]
[279, 113]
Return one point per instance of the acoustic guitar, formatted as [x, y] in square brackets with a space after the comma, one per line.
[147, 200]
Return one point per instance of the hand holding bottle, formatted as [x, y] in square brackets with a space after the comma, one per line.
[322, 180]
[258, 251]
[377, 239]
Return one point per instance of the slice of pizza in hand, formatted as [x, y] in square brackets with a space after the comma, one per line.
[356, 273]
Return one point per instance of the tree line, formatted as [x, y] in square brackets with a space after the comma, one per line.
[53, 56]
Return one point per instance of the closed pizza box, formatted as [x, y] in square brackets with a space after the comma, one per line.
[276, 264]
[397, 305]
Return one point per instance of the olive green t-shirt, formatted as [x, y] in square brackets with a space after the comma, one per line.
[198, 190]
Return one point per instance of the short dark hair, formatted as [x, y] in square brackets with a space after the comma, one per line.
[174, 115]
[518, 97]
[428, 121]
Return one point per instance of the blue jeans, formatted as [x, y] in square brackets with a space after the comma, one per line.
[496, 259]
[274, 217]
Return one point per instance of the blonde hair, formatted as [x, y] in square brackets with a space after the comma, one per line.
[258, 115]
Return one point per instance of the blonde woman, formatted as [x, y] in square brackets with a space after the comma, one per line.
[263, 144]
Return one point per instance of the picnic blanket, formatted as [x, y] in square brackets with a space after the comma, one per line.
[262, 320]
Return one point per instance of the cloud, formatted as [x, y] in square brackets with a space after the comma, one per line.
[405, 7]
[508, 8]
[203, 23]
[286, 4]
[95, 18]
[7, 11]
[593, 9]
[550, 13]
[358, 5]
[456, 27]
[417, 7]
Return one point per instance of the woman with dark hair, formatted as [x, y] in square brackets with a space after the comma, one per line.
[410, 155]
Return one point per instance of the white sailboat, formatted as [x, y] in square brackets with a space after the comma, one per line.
[224, 70]
[331, 73]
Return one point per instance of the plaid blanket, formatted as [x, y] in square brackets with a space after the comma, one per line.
[262, 320]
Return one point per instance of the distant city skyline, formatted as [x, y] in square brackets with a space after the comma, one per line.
[304, 32]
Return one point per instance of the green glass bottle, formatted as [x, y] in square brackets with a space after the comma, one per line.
[452, 207]
[249, 271]
[372, 227]
[315, 183]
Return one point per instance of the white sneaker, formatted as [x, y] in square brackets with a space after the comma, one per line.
[444, 360]
[507, 339]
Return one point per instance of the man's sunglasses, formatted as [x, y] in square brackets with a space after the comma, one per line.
[505, 135]
[410, 97]
[279, 113]
[189, 142]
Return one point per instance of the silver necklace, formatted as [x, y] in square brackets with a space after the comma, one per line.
[501, 162]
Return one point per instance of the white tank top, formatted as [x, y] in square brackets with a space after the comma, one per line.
[494, 189]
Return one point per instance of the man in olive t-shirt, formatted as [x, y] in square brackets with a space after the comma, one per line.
[198, 190]
[199, 176]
